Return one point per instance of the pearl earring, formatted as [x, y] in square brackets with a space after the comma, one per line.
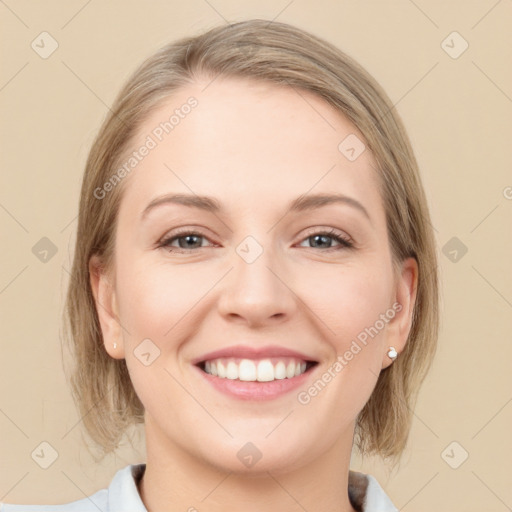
[115, 344]
[392, 353]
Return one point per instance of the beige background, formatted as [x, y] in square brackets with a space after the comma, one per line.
[458, 112]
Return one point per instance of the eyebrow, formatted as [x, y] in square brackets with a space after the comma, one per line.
[210, 204]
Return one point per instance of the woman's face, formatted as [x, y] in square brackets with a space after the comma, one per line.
[262, 277]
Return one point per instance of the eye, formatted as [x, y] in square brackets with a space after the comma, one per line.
[186, 241]
[322, 238]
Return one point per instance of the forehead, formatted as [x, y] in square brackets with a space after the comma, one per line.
[246, 140]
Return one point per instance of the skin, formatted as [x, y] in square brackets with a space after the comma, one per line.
[254, 147]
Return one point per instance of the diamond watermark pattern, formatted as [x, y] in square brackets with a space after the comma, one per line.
[249, 249]
[44, 250]
[454, 45]
[351, 147]
[454, 455]
[44, 455]
[44, 45]
[249, 455]
[147, 352]
[454, 249]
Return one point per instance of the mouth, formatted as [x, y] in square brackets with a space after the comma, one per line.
[245, 372]
[256, 370]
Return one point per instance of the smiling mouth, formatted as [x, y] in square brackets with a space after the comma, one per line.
[256, 370]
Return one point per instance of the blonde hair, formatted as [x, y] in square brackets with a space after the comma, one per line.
[286, 55]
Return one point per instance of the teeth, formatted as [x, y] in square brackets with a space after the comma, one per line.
[280, 370]
[221, 370]
[232, 371]
[265, 370]
[247, 370]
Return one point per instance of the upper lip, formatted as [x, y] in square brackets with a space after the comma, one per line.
[249, 352]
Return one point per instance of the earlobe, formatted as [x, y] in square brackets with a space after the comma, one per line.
[106, 308]
[405, 299]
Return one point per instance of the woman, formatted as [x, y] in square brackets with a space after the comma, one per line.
[254, 278]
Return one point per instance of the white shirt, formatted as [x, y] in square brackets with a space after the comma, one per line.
[366, 495]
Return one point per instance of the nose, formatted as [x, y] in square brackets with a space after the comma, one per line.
[259, 292]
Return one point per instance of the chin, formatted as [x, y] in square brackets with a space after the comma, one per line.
[256, 457]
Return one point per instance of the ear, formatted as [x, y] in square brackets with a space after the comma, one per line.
[106, 307]
[399, 326]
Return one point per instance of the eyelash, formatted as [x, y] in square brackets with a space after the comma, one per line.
[345, 243]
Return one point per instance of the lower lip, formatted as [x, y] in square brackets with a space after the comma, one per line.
[245, 390]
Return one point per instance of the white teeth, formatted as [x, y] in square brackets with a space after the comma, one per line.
[264, 370]
[280, 370]
[221, 370]
[232, 371]
[246, 370]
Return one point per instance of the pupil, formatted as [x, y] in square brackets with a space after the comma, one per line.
[188, 239]
[320, 237]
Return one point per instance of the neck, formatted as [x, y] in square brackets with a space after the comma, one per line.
[175, 480]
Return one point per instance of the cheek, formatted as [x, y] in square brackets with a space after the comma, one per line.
[350, 300]
[355, 303]
[154, 300]
[153, 305]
